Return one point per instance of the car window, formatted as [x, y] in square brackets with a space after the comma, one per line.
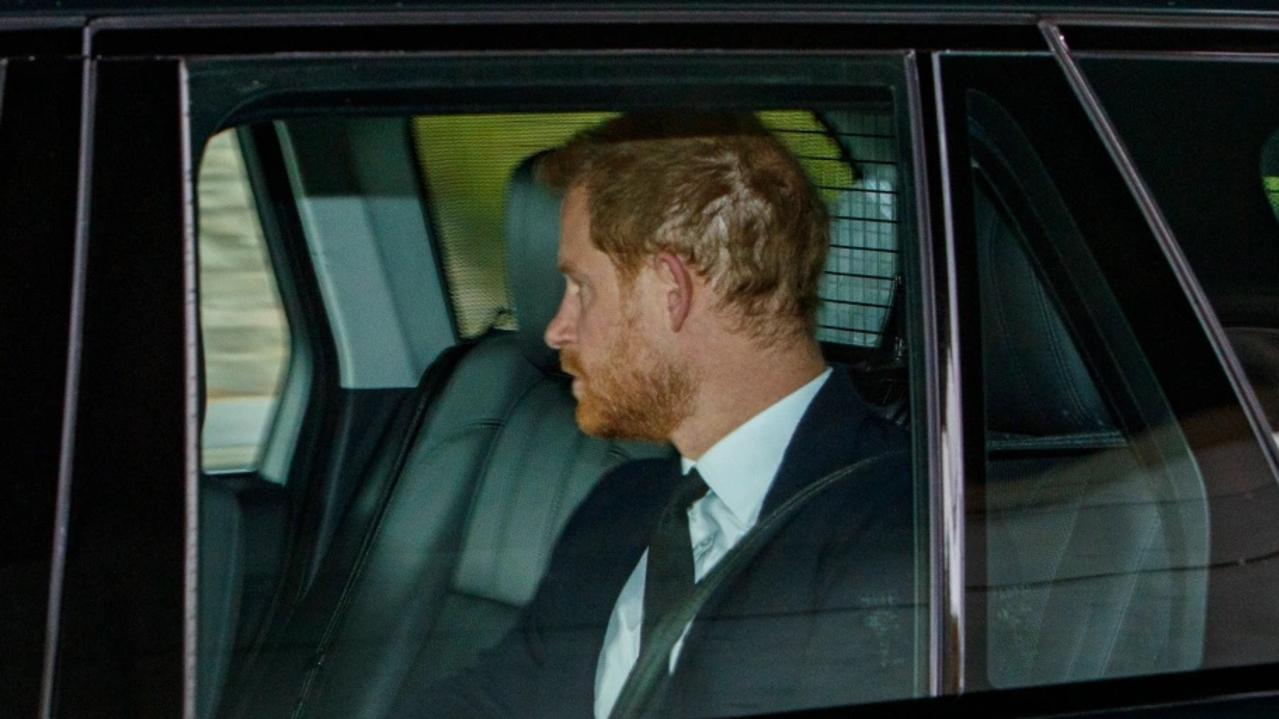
[1258, 346]
[1218, 190]
[38, 176]
[1114, 455]
[466, 161]
[1270, 171]
[1078, 524]
[244, 332]
[456, 491]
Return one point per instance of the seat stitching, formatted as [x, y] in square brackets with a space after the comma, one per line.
[1131, 591]
[480, 477]
[557, 501]
[1056, 563]
[1060, 348]
[999, 292]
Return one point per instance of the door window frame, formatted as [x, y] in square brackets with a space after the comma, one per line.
[939, 312]
[959, 359]
[428, 82]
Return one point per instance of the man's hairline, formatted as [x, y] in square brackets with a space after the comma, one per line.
[779, 327]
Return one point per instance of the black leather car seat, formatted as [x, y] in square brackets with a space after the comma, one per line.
[466, 529]
[221, 585]
[1095, 558]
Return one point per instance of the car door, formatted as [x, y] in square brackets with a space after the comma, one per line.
[40, 119]
[362, 639]
[120, 619]
[1105, 513]
[1075, 467]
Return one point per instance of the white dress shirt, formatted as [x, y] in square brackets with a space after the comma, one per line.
[739, 470]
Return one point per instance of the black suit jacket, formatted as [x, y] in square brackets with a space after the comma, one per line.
[824, 615]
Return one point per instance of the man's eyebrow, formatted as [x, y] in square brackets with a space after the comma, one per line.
[565, 267]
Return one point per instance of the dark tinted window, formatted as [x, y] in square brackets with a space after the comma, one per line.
[851, 156]
[447, 534]
[1270, 171]
[39, 147]
[1203, 135]
[1096, 531]
[244, 332]
[1115, 453]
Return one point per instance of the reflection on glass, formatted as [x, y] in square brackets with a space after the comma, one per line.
[244, 332]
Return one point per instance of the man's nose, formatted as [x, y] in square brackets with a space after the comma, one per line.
[559, 331]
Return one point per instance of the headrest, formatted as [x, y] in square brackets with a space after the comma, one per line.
[532, 242]
[1036, 381]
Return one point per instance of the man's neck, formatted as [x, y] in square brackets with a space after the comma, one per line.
[738, 385]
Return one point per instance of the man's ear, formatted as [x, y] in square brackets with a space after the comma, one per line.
[676, 282]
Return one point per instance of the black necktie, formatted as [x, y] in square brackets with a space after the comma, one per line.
[670, 555]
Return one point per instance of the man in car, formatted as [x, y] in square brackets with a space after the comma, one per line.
[692, 247]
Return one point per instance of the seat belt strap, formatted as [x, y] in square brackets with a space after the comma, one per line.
[650, 677]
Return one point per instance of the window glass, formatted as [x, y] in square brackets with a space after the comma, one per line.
[244, 332]
[1270, 171]
[1258, 346]
[1219, 190]
[850, 155]
[38, 176]
[444, 545]
[466, 161]
[1114, 451]
[1079, 527]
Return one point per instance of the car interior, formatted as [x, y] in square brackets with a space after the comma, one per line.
[431, 538]
[296, 443]
[421, 455]
[1096, 551]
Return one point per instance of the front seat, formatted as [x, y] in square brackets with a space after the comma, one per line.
[1095, 558]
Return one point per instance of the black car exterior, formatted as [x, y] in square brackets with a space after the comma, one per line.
[1112, 136]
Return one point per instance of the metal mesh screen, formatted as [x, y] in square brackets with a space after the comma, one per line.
[851, 157]
[466, 161]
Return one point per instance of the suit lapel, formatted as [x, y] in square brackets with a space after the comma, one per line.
[602, 560]
[824, 440]
[827, 438]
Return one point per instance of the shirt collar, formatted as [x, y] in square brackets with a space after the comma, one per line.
[740, 467]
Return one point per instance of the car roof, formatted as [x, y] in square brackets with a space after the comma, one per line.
[940, 8]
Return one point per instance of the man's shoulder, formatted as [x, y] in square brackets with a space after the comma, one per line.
[883, 435]
[869, 511]
[874, 433]
[837, 431]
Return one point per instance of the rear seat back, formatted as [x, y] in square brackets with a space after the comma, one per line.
[491, 477]
[1095, 559]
